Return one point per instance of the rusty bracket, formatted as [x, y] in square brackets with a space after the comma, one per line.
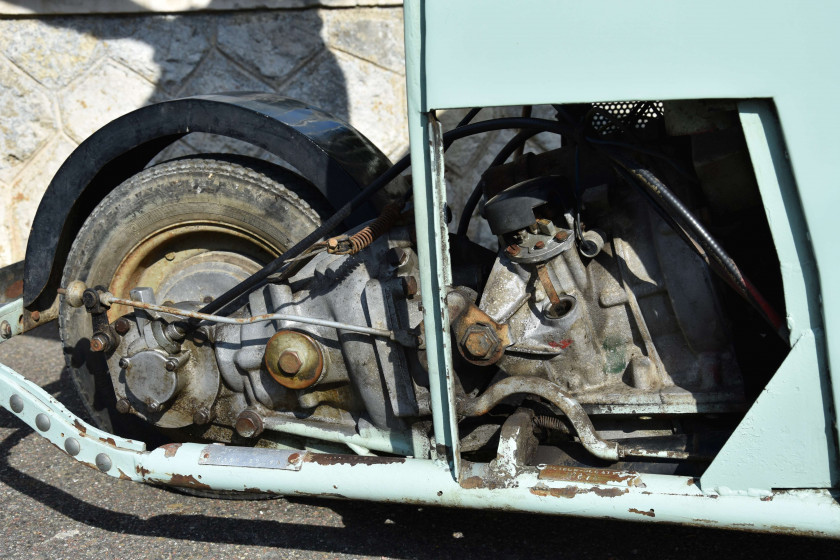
[481, 340]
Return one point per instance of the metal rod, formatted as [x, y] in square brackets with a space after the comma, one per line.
[108, 299]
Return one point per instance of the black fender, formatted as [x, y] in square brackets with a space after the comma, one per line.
[331, 154]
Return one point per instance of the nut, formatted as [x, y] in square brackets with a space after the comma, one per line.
[100, 342]
[480, 341]
[409, 285]
[289, 362]
[512, 250]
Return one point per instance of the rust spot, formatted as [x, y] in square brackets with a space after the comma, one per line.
[609, 492]
[767, 498]
[331, 459]
[79, 426]
[321, 495]
[473, 482]
[109, 440]
[563, 344]
[170, 449]
[691, 482]
[187, 481]
[141, 470]
[572, 491]
[640, 512]
[123, 476]
[294, 457]
[15, 290]
[590, 476]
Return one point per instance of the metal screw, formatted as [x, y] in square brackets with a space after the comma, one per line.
[5, 329]
[249, 424]
[202, 416]
[123, 406]
[170, 256]
[512, 250]
[409, 285]
[122, 326]
[125, 363]
[289, 362]
[539, 245]
[171, 364]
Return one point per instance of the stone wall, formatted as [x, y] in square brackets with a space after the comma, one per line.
[62, 76]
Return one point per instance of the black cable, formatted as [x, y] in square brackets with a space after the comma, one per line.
[468, 117]
[253, 281]
[672, 205]
[506, 151]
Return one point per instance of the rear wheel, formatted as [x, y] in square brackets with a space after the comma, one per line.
[190, 229]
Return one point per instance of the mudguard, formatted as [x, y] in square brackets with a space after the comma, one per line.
[331, 154]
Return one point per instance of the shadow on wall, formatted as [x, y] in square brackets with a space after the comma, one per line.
[63, 77]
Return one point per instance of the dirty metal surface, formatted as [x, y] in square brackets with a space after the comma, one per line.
[56, 508]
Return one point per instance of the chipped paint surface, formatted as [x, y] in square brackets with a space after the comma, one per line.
[590, 476]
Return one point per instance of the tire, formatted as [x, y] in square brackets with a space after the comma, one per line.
[222, 216]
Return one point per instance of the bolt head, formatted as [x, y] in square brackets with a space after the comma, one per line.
[249, 424]
[5, 329]
[122, 326]
[125, 363]
[512, 250]
[561, 236]
[123, 406]
[36, 316]
[171, 365]
[539, 245]
[202, 416]
[155, 406]
[289, 362]
[397, 256]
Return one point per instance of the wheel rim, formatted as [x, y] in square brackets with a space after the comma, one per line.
[190, 261]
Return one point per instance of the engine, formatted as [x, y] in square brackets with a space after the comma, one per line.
[594, 316]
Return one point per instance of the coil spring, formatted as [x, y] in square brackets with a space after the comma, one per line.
[368, 234]
[551, 423]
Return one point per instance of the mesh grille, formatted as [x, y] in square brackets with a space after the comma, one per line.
[623, 116]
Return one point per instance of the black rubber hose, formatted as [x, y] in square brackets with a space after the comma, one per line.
[468, 117]
[672, 205]
[254, 281]
[508, 149]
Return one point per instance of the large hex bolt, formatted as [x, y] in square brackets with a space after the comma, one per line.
[480, 341]
[289, 362]
[294, 359]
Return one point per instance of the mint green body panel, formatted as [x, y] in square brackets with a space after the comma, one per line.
[486, 53]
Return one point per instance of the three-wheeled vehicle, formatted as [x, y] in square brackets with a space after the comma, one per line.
[647, 337]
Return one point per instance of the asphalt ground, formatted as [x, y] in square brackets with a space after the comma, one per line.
[53, 507]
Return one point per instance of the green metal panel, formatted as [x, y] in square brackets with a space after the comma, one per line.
[491, 52]
[432, 243]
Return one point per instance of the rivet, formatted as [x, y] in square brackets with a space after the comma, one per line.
[71, 446]
[103, 462]
[16, 403]
[42, 421]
